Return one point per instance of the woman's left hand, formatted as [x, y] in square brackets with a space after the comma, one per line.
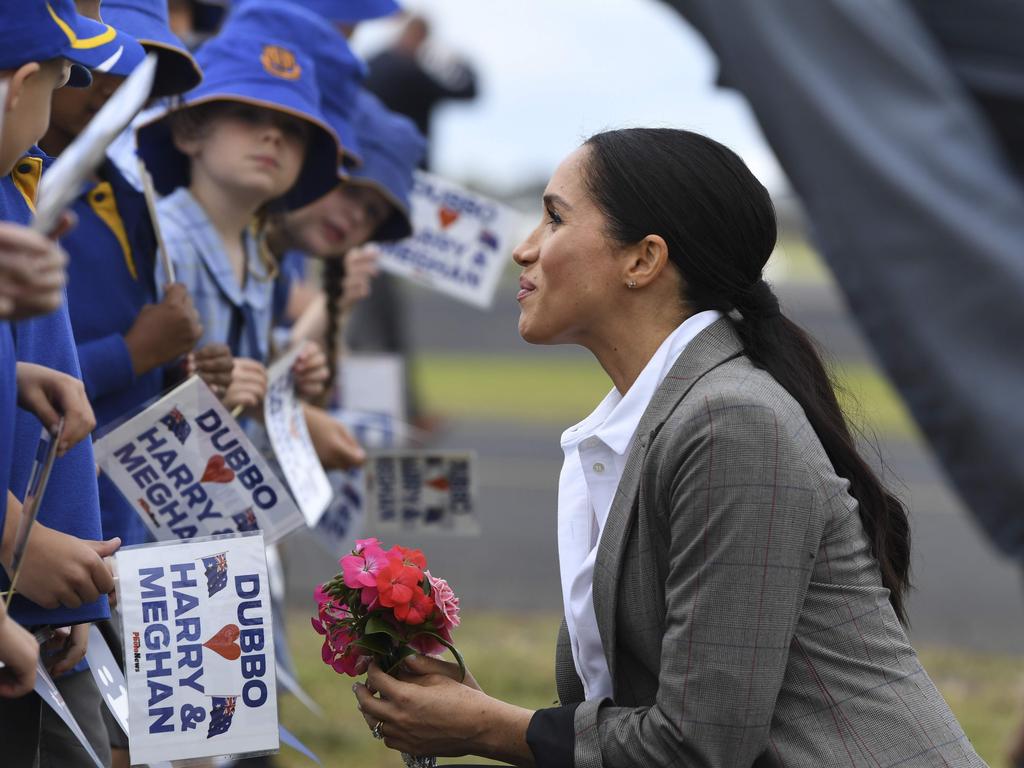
[434, 715]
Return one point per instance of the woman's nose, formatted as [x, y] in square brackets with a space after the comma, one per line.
[526, 252]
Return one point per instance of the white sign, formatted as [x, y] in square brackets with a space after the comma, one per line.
[461, 241]
[63, 180]
[423, 491]
[189, 470]
[289, 437]
[345, 518]
[108, 676]
[199, 648]
[373, 382]
[48, 692]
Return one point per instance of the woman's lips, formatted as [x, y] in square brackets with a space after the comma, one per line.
[526, 287]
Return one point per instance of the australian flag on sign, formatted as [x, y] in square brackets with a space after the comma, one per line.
[216, 573]
[245, 521]
[221, 714]
[176, 422]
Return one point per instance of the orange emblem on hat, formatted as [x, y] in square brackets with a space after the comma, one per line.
[280, 62]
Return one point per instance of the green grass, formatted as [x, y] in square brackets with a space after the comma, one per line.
[513, 658]
[563, 391]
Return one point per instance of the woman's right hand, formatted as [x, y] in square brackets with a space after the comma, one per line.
[420, 665]
[248, 385]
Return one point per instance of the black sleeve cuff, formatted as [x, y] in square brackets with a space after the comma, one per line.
[551, 736]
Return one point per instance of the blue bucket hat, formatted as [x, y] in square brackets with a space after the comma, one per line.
[339, 72]
[40, 31]
[146, 21]
[243, 64]
[392, 148]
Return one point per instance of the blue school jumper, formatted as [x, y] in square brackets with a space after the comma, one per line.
[71, 504]
[112, 253]
[13, 208]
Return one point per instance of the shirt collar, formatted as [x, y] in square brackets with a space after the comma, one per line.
[211, 251]
[616, 418]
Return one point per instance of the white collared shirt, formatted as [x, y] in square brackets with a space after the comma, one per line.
[595, 457]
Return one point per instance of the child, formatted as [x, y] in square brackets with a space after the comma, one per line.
[370, 204]
[62, 573]
[250, 139]
[126, 340]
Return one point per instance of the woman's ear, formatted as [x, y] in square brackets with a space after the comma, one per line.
[16, 83]
[646, 261]
[184, 142]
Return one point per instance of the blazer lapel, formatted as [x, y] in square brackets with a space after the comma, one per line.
[710, 348]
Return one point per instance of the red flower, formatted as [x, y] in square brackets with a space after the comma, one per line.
[411, 557]
[397, 584]
[417, 610]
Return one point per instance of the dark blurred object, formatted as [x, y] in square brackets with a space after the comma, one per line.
[195, 20]
[412, 76]
[901, 126]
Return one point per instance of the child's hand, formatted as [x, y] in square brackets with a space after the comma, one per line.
[248, 385]
[50, 394]
[213, 363]
[19, 652]
[360, 269]
[31, 272]
[335, 446]
[165, 331]
[310, 370]
[62, 570]
[65, 648]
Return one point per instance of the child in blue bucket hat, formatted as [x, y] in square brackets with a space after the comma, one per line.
[249, 141]
[39, 40]
[369, 203]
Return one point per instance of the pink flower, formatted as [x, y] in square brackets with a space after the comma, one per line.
[361, 569]
[362, 544]
[446, 601]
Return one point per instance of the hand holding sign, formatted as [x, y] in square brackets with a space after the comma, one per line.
[18, 654]
[52, 395]
[31, 272]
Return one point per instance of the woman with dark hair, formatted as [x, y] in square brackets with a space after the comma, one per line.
[733, 573]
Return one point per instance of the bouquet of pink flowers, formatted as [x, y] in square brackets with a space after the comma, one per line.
[384, 606]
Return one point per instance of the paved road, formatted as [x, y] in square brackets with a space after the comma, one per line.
[965, 595]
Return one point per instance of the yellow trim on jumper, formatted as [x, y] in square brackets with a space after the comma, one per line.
[86, 42]
[101, 200]
[27, 181]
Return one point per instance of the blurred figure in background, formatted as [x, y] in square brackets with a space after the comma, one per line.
[901, 127]
[412, 77]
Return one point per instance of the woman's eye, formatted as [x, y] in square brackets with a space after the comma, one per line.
[553, 218]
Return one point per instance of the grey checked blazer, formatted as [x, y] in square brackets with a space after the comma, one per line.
[741, 612]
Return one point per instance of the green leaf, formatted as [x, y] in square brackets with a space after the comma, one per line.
[398, 656]
[377, 644]
[375, 624]
[455, 651]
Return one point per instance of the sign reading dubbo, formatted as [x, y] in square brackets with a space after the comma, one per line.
[460, 244]
[189, 470]
[198, 648]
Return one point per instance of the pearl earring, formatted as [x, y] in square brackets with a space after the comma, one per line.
[631, 284]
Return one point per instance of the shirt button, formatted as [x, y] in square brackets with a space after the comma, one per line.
[598, 467]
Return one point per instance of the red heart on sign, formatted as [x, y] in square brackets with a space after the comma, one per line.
[439, 483]
[447, 215]
[216, 471]
[225, 642]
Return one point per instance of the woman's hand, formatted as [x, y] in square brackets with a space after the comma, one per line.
[433, 714]
[31, 271]
[310, 371]
[50, 394]
[421, 665]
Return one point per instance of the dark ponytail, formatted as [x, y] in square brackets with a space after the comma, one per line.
[719, 224]
[332, 277]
